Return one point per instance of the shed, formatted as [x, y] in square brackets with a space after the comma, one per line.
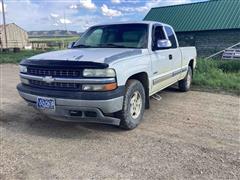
[211, 26]
[16, 37]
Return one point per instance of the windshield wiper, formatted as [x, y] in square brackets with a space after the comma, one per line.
[112, 45]
[82, 46]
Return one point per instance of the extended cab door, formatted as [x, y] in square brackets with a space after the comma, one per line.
[162, 61]
[175, 53]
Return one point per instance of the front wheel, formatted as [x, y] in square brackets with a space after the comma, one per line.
[185, 84]
[133, 105]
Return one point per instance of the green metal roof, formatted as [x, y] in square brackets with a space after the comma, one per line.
[209, 15]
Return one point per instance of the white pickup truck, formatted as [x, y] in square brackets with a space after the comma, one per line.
[108, 75]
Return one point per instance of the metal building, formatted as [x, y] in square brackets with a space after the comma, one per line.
[211, 26]
[16, 37]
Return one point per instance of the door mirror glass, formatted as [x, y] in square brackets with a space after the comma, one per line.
[164, 44]
[70, 45]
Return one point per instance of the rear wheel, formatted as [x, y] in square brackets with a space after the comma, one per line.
[133, 105]
[185, 84]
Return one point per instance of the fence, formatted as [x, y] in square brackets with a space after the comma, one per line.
[231, 54]
[12, 44]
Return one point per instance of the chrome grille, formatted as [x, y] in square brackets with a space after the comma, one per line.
[71, 73]
[55, 85]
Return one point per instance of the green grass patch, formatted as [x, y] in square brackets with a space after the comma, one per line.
[218, 75]
[54, 39]
[16, 57]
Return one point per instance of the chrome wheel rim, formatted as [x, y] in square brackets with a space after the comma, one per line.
[135, 105]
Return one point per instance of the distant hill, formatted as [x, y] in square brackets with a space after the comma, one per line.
[52, 33]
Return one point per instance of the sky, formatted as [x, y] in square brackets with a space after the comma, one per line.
[77, 15]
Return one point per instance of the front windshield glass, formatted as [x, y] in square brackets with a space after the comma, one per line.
[115, 36]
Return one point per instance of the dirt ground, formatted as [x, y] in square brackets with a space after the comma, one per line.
[194, 135]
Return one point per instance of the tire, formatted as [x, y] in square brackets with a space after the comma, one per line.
[133, 105]
[185, 84]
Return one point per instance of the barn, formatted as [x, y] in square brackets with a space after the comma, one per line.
[16, 37]
[211, 26]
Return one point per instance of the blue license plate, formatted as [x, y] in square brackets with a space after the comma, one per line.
[45, 103]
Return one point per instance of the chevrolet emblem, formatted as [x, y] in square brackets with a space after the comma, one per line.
[48, 79]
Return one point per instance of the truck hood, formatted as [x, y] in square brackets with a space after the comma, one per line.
[98, 55]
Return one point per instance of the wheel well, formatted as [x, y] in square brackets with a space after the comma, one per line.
[191, 63]
[143, 78]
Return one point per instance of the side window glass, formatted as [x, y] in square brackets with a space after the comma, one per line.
[171, 37]
[95, 38]
[158, 34]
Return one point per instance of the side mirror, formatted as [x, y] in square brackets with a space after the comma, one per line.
[70, 45]
[164, 44]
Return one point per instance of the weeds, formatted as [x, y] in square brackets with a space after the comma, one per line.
[217, 74]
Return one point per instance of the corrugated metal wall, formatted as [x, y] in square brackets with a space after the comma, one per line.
[211, 15]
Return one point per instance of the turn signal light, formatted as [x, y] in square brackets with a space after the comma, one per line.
[99, 87]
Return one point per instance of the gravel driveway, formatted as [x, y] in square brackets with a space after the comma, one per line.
[194, 135]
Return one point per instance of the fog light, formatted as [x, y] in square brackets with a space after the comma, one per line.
[24, 81]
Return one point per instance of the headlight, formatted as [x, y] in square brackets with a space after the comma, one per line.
[99, 73]
[22, 69]
[99, 87]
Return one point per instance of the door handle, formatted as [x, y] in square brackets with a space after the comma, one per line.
[170, 56]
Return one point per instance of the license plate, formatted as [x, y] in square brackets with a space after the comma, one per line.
[45, 103]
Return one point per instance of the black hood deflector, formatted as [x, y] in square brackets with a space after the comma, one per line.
[63, 64]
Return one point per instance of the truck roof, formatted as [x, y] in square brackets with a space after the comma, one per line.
[134, 22]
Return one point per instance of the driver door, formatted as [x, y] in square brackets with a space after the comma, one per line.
[161, 61]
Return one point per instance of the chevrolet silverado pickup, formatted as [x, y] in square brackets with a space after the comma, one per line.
[108, 75]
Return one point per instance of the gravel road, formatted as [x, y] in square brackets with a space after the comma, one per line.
[194, 135]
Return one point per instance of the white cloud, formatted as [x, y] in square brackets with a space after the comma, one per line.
[65, 21]
[153, 3]
[5, 7]
[88, 4]
[134, 9]
[125, 1]
[158, 3]
[53, 15]
[116, 1]
[110, 12]
[73, 6]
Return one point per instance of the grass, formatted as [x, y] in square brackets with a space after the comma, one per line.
[11, 57]
[54, 39]
[218, 75]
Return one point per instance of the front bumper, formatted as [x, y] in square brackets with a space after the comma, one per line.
[78, 110]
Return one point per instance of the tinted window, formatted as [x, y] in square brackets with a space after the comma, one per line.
[115, 36]
[171, 37]
[158, 34]
[94, 38]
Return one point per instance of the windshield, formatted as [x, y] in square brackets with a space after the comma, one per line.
[115, 36]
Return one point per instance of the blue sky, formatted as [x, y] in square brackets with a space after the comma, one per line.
[78, 14]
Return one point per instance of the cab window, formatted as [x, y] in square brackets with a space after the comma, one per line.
[157, 34]
[171, 36]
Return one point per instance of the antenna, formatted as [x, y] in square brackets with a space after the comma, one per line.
[4, 24]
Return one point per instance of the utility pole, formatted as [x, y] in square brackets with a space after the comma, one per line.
[4, 24]
[64, 16]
